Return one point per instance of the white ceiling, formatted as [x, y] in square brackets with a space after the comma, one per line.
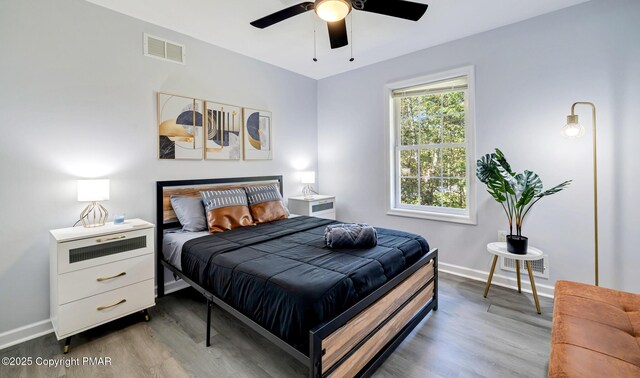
[289, 44]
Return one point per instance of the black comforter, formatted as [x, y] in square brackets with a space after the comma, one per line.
[284, 277]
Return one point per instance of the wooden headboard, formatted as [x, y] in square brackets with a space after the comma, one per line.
[166, 217]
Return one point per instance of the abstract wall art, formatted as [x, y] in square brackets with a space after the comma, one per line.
[257, 135]
[193, 129]
[223, 128]
[180, 131]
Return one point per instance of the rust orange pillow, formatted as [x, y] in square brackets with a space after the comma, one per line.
[265, 203]
[226, 209]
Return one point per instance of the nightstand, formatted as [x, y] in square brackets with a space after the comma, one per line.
[317, 206]
[100, 274]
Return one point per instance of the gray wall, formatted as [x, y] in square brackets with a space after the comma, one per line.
[527, 76]
[77, 98]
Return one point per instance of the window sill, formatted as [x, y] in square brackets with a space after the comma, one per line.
[453, 218]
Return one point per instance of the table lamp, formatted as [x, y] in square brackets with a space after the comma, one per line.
[93, 191]
[308, 179]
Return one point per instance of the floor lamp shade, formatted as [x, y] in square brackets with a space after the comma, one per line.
[573, 129]
[93, 191]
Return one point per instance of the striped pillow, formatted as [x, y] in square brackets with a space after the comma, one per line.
[226, 209]
[265, 203]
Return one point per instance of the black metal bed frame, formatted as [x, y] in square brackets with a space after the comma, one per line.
[316, 335]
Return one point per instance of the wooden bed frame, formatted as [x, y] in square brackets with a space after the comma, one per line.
[355, 342]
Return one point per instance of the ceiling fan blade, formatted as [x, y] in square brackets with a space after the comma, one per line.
[338, 34]
[283, 15]
[396, 8]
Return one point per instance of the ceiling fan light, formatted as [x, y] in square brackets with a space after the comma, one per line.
[333, 10]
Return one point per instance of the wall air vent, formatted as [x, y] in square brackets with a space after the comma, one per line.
[159, 48]
[540, 268]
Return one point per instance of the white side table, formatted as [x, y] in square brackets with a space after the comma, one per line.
[500, 249]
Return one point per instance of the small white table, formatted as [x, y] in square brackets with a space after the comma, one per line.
[500, 249]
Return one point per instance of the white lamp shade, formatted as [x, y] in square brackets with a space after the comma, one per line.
[308, 177]
[93, 190]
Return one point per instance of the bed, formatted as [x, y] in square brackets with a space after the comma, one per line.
[340, 312]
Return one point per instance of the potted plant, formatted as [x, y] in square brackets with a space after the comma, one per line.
[516, 192]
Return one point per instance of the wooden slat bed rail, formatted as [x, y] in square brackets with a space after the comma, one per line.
[340, 342]
[358, 360]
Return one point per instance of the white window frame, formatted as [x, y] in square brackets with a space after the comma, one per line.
[467, 216]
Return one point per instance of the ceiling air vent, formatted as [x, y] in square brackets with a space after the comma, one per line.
[162, 49]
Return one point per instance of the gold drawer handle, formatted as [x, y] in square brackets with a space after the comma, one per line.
[100, 279]
[113, 305]
[109, 239]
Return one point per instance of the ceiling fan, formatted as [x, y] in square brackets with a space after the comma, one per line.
[335, 11]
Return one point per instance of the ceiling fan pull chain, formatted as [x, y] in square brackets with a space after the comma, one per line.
[351, 22]
[315, 49]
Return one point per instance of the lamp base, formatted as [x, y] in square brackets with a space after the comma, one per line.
[307, 191]
[94, 215]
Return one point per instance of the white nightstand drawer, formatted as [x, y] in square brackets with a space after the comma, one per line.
[103, 249]
[89, 312]
[98, 279]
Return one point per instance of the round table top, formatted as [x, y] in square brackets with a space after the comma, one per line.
[500, 249]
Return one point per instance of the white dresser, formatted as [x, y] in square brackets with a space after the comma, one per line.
[100, 274]
[317, 206]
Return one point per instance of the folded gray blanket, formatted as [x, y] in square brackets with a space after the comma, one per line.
[350, 235]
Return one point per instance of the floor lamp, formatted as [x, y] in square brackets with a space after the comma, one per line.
[573, 129]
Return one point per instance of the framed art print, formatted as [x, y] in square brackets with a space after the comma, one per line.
[180, 131]
[257, 135]
[223, 131]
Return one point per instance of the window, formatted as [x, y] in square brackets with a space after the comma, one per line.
[431, 150]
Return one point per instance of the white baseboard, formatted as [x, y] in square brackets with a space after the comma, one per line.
[44, 327]
[25, 333]
[498, 280]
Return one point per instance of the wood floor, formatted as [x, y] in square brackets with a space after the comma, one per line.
[469, 336]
